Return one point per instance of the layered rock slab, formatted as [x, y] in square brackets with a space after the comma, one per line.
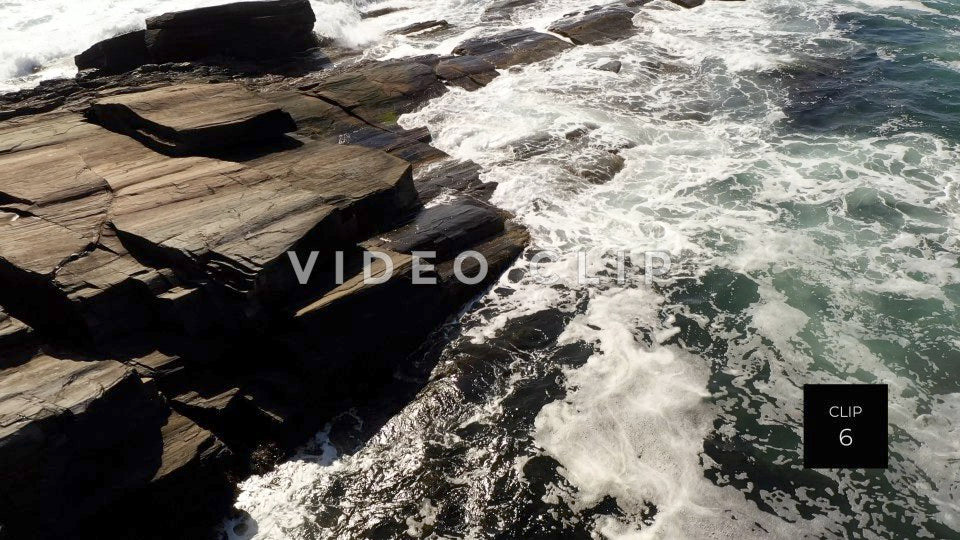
[17, 341]
[379, 93]
[100, 213]
[193, 118]
[340, 317]
[76, 434]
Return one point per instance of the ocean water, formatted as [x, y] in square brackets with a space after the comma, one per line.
[800, 164]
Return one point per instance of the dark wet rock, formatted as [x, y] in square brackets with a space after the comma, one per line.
[117, 54]
[82, 433]
[446, 229]
[688, 3]
[503, 9]
[424, 27]
[461, 177]
[379, 93]
[596, 27]
[520, 46]
[534, 145]
[612, 66]
[325, 120]
[337, 318]
[248, 30]
[600, 168]
[374, 13]
[258, 31]
[48, 95]
[193, 119]
[467, 72]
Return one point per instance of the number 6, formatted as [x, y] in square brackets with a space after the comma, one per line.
[845, 440]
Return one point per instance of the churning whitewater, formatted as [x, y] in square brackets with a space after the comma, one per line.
[800, 163]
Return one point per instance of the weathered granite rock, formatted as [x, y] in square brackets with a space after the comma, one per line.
[596, 26]
[520, 46]
[79, 434]
[246, 30]
[117, 54]
[193, 119]
[175, 222]
[12, 331]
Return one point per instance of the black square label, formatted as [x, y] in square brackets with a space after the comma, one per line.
[845, 426]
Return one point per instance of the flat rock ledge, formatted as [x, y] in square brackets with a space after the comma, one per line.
[156, 344]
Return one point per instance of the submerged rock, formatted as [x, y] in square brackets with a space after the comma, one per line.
[613, 66]
[380, 12]
[689, 3]
[503, 9]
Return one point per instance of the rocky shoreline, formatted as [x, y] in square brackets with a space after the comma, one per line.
[155, 345]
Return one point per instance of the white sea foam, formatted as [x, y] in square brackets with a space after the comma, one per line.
[276, 499]
[633, 426]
